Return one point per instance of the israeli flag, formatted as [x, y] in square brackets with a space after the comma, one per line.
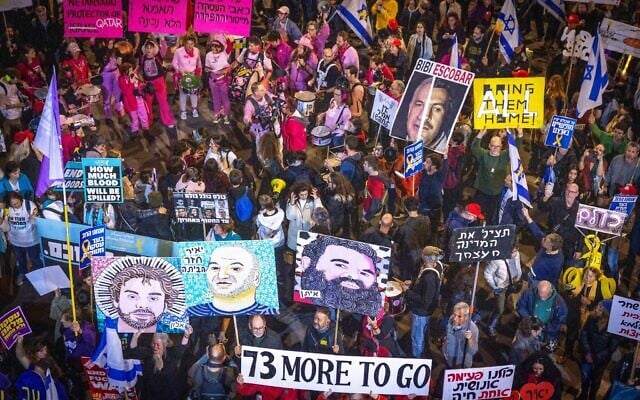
[554, 7]
[454, 58]
[518, 178]
[596, 78]
[507, 25]
[121, 373]
[50, 387]
[355, 13]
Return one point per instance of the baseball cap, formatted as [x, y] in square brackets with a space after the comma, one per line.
[284, 10]
[474, 209]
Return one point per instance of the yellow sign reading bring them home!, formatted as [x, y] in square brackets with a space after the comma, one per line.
[508, 103]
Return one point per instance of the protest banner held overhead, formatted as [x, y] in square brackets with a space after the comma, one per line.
[431, 103]
[341, 374]
[600, 219]
[166, 16]
[320, 281]
[482, 243]
[508, 103]
[620, 37]
[482, 383]
[624, 319]
[233, 18]
[201, 208]
[13, 324]
[384, 109]
[560, 132]
[622, 203]
[413, 159]
[84, 19]
[102, 180]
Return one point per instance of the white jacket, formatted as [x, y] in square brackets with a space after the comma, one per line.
[496, 274]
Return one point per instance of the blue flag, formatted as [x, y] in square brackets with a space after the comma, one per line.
[596, 78]
[454, 58]
[554, 7]
[507, 25]
[121, 373]
[518, 178]
[356, 14]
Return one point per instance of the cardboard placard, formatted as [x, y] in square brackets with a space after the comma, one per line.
[85, 18]
[166, 16]
[201, 208]
[482, 243]
[102, 179]
[233, 17]
[501, 103]
[623, 204]
[479, 383]
[560, 132]
[13, 324]
[384, 109]
[600, 219]
[624, 319]
[413, 159]
[92, 243]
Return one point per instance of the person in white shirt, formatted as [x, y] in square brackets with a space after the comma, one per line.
[186, 60]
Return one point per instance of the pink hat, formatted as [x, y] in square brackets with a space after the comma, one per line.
[305, 41]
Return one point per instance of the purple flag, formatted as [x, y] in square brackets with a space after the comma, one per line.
[48, 142]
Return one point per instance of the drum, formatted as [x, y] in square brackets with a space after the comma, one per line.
[321, 136]
[190, 83]
[306, 102]
[395, 298]
[41, 93]
[92, 92]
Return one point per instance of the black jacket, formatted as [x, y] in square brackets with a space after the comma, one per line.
[423, 295]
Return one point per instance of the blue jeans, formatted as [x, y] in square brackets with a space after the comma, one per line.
[34, 254]
[419, 326]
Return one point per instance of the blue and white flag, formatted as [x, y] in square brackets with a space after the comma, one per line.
[50, 386]
[454, 58]
[554, 7]
[507, 25]
[121, 373]
[518, 178]
[356, 14]
[596, 78]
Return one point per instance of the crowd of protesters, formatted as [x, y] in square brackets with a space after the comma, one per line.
[253, 97]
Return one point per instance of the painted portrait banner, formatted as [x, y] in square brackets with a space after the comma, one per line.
[624, 319]
[501, 103]
[479, 383]
[560, 132]
[53, 243]
[600, 219]
[99, 385]
[620, 37]
[229, 278]
[201, 208]
[143, 293]
[384, 109]
[232, 17]
[102, 180]
[13, 324]
[341, 374]
[92, 243]
[93, 18]
[166, 16]
[482, 243]
[340, 273]
[431, 103]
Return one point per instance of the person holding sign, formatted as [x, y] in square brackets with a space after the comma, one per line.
[320, 336]
[461, 341]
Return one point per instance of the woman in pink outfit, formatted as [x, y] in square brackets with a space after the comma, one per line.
[132, 89]
[154, 76]
[217, 64]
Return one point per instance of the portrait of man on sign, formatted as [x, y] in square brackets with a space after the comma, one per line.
[340, 273]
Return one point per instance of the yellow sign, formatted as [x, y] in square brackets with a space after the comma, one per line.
[508, 103]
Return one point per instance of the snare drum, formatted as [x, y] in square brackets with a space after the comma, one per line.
[306, 102]
[91, 91]
[395, 298]
[190, 83]
[321, 136]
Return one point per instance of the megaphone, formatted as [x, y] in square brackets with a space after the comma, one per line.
[277, 186]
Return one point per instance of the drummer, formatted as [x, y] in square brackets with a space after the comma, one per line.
[186, 60]
[77, 64]
[31, 73]
[336, 117]
[422, 297]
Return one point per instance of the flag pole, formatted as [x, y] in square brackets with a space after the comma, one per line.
[69, 261]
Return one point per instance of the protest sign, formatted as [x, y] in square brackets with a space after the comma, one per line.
[478, 383]
[102, 180]
[233, 18]
[201, 208]
[342, 374]
[341, 273]
[384, 109]
[166, 16]
[501, 103]
[72, 178]
[229, 278]
[89, 18]
[577, 43]
[54, 244]
[542, 390]
[430, 105]
[13, 324]
[91, 244]
[482, 243]
[142, 293]
[600, 219]
[624, 319]
[620, 37]
[47, 279]
[99, 385]
[560, 132]
[413, 159]
[623, 204]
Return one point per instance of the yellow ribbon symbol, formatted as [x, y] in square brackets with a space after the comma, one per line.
[412, 162]
[593, 255]
[86, 252]
[558, 141]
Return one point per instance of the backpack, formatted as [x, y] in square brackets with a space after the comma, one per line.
[213, 389]
[244, 206]
[454, 171]
[359, 180]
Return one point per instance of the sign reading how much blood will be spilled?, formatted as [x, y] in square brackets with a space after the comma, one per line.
[102, 180]
[482, 243]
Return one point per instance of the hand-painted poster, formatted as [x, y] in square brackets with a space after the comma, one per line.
[229, 278]
[201, 208]
[93, 18]
[341, 273]
[431, 103]
[99, 385]
[501, 103]
[143, 293]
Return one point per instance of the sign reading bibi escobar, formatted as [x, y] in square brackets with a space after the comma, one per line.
[508, 103]
[431, 103]
[342, 374]
[482, 383]
[341, 273]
